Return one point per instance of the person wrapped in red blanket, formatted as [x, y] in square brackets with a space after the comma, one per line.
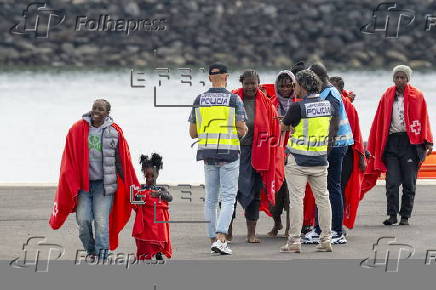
[281, 95]
[95, 178]
[399, 140]
[151, 229]
[259, 172]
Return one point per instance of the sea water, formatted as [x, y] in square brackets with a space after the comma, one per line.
[37, 107]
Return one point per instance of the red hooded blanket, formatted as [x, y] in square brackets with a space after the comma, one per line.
[151, 229]
[74, 176]
[417, 127]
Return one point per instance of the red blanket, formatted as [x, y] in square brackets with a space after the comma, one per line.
[309, 201]
[152, 231]
[417, 127]
[266, 149]
[74, 176]
[352, 189]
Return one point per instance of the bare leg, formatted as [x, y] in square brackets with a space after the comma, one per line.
[276, 228]
[251, 232]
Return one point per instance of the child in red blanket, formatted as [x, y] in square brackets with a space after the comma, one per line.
[151, 229]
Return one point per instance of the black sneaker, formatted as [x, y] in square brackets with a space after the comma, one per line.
[390, 221]
[404, 222]
[159, 256]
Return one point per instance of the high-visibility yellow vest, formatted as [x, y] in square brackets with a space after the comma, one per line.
[216, 127]
[311, 135]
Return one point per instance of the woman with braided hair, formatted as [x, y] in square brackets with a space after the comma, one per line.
[151, 230]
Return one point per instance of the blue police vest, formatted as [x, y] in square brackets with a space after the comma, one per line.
[344, 136]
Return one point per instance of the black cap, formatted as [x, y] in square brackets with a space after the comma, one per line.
[220, 67]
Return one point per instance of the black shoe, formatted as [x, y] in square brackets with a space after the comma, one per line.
[390, 221]
[404, 222]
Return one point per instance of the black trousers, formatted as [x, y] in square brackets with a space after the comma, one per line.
[347, 168]
[401, 161]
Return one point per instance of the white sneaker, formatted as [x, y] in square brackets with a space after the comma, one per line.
[338, 239]
[310, 238]
[222, 248]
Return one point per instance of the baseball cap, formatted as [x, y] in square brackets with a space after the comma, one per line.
[220, 67]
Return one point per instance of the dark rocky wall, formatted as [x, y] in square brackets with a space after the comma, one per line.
[271, 33]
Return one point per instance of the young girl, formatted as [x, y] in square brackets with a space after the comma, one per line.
[151, 229]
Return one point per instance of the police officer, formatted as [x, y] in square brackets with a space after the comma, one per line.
[309, 122]
[218, 121]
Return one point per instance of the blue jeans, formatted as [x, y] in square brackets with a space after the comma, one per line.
[220, 181]
[94, 206]
[335, 158]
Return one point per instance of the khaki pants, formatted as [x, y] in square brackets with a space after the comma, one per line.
[297, 178]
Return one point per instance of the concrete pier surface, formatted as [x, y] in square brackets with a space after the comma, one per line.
[25, 210]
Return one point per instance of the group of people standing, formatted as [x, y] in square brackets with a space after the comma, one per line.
[98, 182]
[296, 146]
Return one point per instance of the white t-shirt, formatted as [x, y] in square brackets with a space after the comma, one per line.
[397, 124]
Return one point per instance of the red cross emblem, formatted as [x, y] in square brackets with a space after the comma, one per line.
[55, 209]
[415, 127]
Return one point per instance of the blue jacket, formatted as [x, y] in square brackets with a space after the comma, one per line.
[344, 136]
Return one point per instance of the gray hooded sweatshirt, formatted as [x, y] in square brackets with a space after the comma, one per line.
[103, 153]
